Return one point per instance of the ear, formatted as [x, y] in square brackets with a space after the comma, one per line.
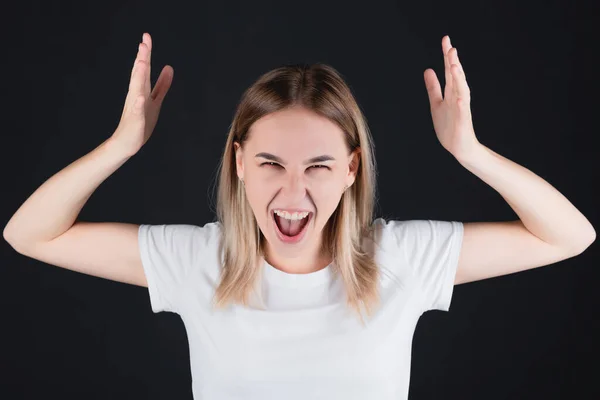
[353, 164]
[239, 165]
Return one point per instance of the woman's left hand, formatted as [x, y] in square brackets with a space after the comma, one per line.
[451, 114]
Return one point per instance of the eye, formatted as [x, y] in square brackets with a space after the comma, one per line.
[270, 164]
[273, 164]
[319, 166]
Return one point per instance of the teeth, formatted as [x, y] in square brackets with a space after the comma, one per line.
[292, 216]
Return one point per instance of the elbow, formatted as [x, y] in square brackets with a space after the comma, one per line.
[585, 244]
[6, 234]
[591, 237]
[9, 232]
[10, 238]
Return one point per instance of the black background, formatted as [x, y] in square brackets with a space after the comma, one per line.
[66, 68]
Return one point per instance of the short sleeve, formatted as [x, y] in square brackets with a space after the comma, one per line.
[168, 254]
[431, 249]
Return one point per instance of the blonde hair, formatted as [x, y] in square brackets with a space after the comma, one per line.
[321, 89]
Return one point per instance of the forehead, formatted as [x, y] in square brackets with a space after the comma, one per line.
[296, 129]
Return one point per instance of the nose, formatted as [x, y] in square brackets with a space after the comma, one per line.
[294, 188]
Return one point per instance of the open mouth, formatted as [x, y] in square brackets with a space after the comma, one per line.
[291, 230]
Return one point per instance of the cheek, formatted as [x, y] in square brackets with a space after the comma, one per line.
[326, 199]
[259, 196]
[325, 183]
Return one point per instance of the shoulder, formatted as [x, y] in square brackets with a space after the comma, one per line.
[177, 233]
[415, 235]
[388, 231]
[404, 228]
[207, 234]
[181, 243]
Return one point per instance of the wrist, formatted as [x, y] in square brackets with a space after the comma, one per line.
[471, 154]
[117, 148]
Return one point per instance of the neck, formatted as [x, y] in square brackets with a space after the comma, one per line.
[302, 264]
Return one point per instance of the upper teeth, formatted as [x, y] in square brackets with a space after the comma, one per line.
[292, 216]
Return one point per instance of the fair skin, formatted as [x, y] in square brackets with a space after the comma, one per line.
[295, 135]
[550, 228]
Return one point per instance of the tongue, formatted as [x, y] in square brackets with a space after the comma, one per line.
[289, 227]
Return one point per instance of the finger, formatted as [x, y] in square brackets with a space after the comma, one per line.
[147, 40]
[461, 90]
[163, 83]
[136, 83]
[460, 82]
[456, 60]
[434, 91]
[145, 71]
[135, 89]
[446, 46]
[138, 56]
[452, 63]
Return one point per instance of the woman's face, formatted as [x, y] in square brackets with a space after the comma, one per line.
[278, 174]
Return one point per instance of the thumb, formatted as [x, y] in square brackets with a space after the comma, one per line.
[432, 85]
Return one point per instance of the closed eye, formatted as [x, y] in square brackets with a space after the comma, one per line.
[274, 164]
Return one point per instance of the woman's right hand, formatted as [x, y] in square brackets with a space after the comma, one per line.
[142, 107]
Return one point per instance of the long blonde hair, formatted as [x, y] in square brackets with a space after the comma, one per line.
[321, 89]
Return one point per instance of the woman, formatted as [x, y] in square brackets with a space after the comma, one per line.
[272, 294]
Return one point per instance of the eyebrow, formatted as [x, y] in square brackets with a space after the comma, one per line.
[275, 158]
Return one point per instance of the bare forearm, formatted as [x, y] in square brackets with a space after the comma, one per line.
[53, 208]
[544, 211]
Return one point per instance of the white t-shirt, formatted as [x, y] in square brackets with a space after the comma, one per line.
[307, 344]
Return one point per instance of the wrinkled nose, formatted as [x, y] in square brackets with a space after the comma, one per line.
[294, 189]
